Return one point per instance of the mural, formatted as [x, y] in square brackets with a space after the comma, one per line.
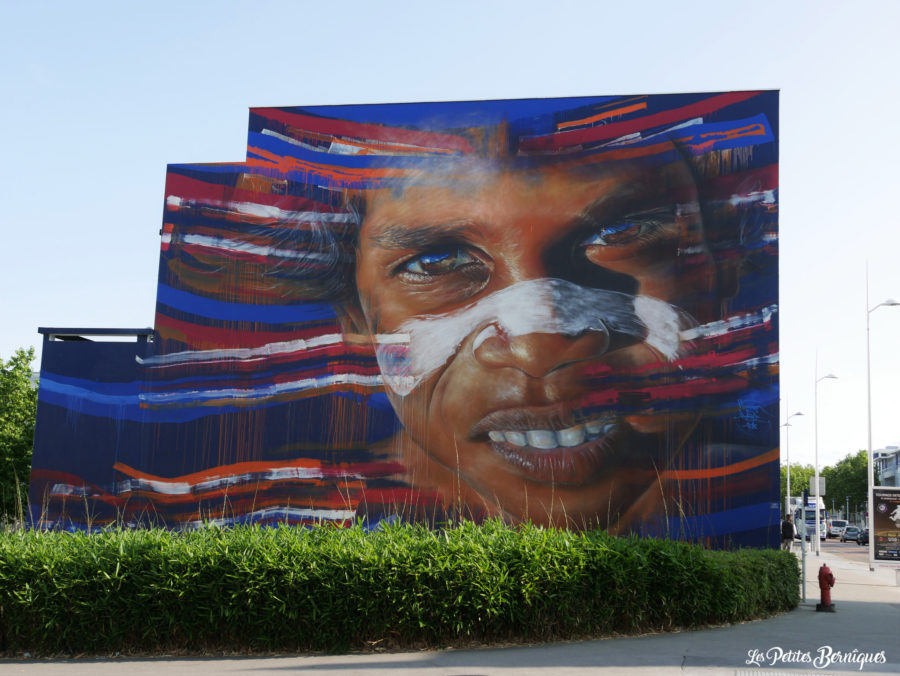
[556, 310]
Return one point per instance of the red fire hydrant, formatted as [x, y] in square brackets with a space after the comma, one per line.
[826, 582]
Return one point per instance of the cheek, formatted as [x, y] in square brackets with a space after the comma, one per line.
[678, 279]
[439, 413]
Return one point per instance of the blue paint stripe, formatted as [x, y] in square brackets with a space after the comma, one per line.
[118, 401]
[239, 312]
[762, 515]
[703, 133]
[443, 115]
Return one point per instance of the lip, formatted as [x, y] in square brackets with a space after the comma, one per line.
[570, 465]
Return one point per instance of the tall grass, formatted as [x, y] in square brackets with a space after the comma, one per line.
[325, 588]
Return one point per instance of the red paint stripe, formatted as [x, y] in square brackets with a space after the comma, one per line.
[339, 364]
[55, 476]
[580, 136]
[365, 131]
[187, 187]
[215, 337]
[672, 392]
[742, 183]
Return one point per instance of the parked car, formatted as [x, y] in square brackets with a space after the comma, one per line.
[863, 538]
[850, 533]
[836, 528]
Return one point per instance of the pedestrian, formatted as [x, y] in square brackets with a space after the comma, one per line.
[787, 533]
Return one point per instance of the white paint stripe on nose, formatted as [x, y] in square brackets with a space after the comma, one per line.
[534, 306]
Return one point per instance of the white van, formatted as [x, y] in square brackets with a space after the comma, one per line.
[836, 528]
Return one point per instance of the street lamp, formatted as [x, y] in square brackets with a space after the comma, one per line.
[787, 448]
[830, 376]
[890, 302]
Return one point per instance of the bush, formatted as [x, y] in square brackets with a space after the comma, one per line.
[288, 589]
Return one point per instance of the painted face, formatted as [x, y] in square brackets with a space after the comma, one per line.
[522, 319]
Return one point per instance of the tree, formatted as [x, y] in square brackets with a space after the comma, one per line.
[848, 477]
[18, 408]
[800, 475]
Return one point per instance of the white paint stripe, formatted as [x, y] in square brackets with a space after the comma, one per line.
[223, 244]
[628, 139]
[763, 196]
[348, 148]
[176, 487]
[723, 326]
[198, 396]
[164, 486]
[263, 210]
[243, 353]
[274, 512]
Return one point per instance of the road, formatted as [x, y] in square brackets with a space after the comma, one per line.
[849, 549]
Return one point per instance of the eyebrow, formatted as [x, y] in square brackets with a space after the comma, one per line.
[398, 236]
[623, 198]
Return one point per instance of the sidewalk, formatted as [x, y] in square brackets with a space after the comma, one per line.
[867, 619]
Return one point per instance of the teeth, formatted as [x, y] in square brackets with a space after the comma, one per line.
[515, 438]
[571, 436]
[549, 439]
[542, 438]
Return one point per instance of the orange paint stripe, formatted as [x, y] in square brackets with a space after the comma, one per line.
[750, 130]
[286, 164]
[603, 116]
[743, 466]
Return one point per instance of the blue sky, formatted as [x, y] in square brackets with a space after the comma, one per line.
[99, 97]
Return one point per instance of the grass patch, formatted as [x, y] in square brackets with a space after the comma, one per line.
[333, 589]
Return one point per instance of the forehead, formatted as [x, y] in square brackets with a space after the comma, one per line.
[498, 194]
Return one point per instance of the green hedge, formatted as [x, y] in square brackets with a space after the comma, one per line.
[290, 589]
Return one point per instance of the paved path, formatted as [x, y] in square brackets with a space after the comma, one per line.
[867, 620]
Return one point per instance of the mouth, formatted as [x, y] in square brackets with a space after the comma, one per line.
[548, 439]
[551, 444]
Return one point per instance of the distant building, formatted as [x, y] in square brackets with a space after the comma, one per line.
[887, 463]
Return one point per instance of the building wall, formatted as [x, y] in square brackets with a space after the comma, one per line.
[556, 310]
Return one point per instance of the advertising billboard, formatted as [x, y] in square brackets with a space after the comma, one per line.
[886, 521]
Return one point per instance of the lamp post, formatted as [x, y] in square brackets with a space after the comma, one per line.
[890, 302]
[787, 449]
[830, 376]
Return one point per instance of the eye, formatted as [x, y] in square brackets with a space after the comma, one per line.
[438, 262]
[623, 232]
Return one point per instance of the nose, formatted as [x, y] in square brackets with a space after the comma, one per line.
[537, 354]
